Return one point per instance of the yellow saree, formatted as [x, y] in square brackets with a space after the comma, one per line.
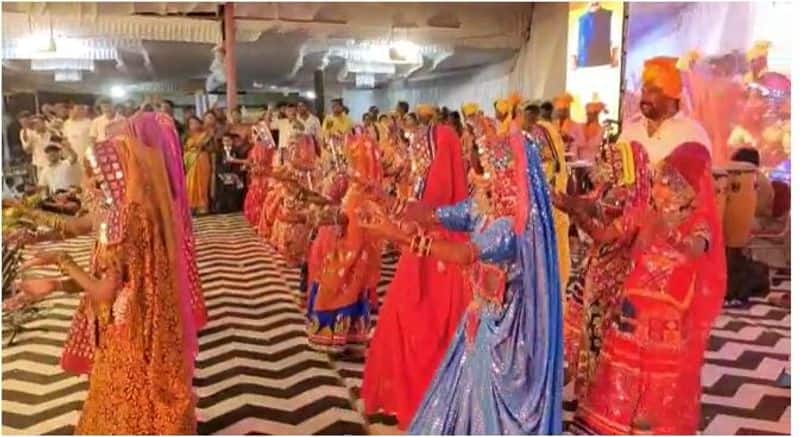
[197, 164]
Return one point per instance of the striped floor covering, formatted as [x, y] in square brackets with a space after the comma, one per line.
[256, 375]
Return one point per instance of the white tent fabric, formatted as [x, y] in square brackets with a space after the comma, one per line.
[538, 71]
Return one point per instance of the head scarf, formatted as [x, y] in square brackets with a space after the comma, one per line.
[663, 73]
[562, 102]
[693, 162]
[157, 130]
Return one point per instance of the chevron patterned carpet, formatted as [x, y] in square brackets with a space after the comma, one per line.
[256, 375]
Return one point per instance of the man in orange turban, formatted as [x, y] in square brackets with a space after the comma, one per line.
[571, 132]
[426, 113]
[592, 132]
[661, 127]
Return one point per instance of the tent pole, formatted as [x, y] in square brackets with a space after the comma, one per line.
[230, 54]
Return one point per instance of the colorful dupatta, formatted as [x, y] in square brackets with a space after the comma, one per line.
[588, 315]
[503, 375]
[133, 346]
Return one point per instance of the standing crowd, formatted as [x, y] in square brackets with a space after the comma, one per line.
[477, 333]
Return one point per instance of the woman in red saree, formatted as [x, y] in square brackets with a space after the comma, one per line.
[648, 375]
[259, 162]
[623, 181]
[427, 297]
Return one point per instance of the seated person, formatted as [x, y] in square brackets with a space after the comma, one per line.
[229, 177]
[59, 173]
[765, 194]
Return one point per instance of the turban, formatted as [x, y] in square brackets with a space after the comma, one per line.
[595, 107]
[562, 102]
[759, 50]
[425, 110]
[502, 106]
[689, 58]
[514, 100]
[662, 73]
[469, 109]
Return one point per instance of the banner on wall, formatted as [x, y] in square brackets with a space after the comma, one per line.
[716, 43]
[594, 40]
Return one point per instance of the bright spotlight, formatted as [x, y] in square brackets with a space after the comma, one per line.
[118, 92]
[311, 95]
[404, 49]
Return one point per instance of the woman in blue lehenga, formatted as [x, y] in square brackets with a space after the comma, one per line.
[503, 372]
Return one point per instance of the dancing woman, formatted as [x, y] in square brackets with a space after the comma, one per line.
[129, 333]
[259, 164]
[404, 352]
[344, 273]
[608, 215]
[291, 231]
[648, 374]
[503, 371]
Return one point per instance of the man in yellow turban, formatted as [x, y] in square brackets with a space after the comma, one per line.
[661, 127]
[757, 58]
[570, 131]
[506, 111]
[469, 109]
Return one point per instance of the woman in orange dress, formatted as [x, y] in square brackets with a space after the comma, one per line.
[259, 164]
[648, 374]
[345, 275]
[127, 333]
[197, 164]
[291, 231]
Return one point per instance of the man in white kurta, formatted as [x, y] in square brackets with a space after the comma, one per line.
[661, 127]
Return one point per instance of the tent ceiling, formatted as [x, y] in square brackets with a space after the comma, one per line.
[278, 44]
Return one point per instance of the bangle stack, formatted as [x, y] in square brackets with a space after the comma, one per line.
[51, 221]
[421, 244]
[64, 263]
[399, 207]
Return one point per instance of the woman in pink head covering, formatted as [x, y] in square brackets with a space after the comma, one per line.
[648, 376]
[158, 130]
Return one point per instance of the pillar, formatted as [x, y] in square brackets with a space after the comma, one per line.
[229, 32]
[319, 92]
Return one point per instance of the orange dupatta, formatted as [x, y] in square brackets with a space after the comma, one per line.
[355, 263]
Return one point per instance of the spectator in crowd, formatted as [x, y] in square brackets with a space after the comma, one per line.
[311, 123]
[547, 111]
[35, 141]
[57, 174]
[168, 107]
[402, 109]
[97, 130]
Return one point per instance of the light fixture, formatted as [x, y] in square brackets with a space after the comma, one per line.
[404, 51]
[118, 92]
[311, 95]
[365, 81]
[68, 76]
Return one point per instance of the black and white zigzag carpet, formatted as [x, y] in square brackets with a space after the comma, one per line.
[256, 374]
